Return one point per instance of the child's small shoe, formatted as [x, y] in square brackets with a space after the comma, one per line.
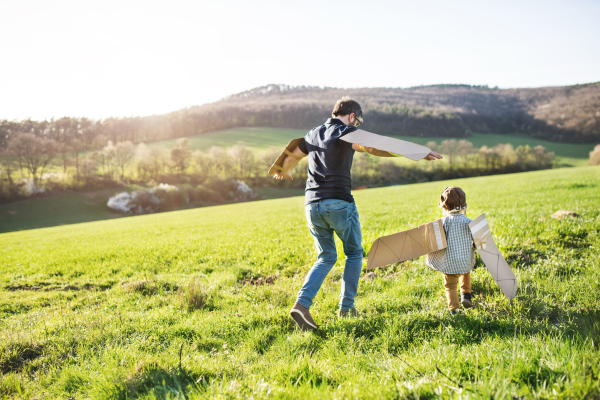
[454, 312]
[466, 300]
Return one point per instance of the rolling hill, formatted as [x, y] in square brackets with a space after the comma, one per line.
[561, 114]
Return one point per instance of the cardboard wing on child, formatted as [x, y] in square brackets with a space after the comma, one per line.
[410, 150]
[492, 258]
[407, 245]
[431, 237]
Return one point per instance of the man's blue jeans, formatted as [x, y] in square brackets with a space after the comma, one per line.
[324, 218]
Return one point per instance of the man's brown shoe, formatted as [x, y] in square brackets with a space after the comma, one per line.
[350, 313]
[302, 317]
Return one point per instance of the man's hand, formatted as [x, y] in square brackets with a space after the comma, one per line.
[432, 156]
[281, 176]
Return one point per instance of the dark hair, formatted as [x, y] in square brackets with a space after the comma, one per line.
[453, 198]
[346, 106]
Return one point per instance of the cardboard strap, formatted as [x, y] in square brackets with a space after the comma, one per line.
[289, 153]
[433, 236]
[481, 233]
[480, 243]
[278, 164]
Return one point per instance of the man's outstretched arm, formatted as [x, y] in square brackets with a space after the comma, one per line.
[290, 163]
[380, 153]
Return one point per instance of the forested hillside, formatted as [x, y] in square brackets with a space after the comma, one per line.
[562, 114]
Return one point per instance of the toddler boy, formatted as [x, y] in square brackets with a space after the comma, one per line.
[457, 260]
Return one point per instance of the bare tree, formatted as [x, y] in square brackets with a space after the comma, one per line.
[123, 154]
[242, 158]
[64, 153]
[159, 161]
[220, 160]
[33, 152]
[450, 149]
[7, 161]
[523, 154]
[507, 154]
[99, 142]
[142, 160]
[485, 154]
[89, 166]
[465, 149]
[77, 147]
[181, 154]
[202, 162]
[106, 157]
[543, 157]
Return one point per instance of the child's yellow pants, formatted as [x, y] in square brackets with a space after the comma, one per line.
[450, 283]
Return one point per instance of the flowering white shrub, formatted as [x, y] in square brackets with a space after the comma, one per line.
[121, 202]
[242, 192]
[141, 201]
[30, 188]
[165, 197]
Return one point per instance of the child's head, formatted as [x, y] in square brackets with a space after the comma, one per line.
[453, 199]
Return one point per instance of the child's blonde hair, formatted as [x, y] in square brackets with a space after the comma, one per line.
[453, 198]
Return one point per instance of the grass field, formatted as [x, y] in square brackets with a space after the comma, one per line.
[256, 139]
[259, 139]
[154, 307]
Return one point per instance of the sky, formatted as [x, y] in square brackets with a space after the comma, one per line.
[101, 59]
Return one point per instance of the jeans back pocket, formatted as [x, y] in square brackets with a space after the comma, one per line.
[339, 218]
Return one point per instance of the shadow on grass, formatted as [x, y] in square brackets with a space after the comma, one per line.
[56, 210]
[162, 382]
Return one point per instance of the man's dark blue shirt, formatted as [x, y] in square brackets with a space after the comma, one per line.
[329, 162]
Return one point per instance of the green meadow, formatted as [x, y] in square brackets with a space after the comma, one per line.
[162, 306]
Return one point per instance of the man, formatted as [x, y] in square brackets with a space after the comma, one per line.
[330, 206]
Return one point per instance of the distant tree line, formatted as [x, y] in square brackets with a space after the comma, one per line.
[32, 165]
[563, 114]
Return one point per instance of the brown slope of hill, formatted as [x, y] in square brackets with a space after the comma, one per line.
[566, 114]
[562, 114]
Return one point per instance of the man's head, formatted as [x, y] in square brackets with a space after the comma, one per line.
[453, 198]
[348, 111]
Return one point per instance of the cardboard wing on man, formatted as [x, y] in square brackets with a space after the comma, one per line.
[431, 237]
[403, 148]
